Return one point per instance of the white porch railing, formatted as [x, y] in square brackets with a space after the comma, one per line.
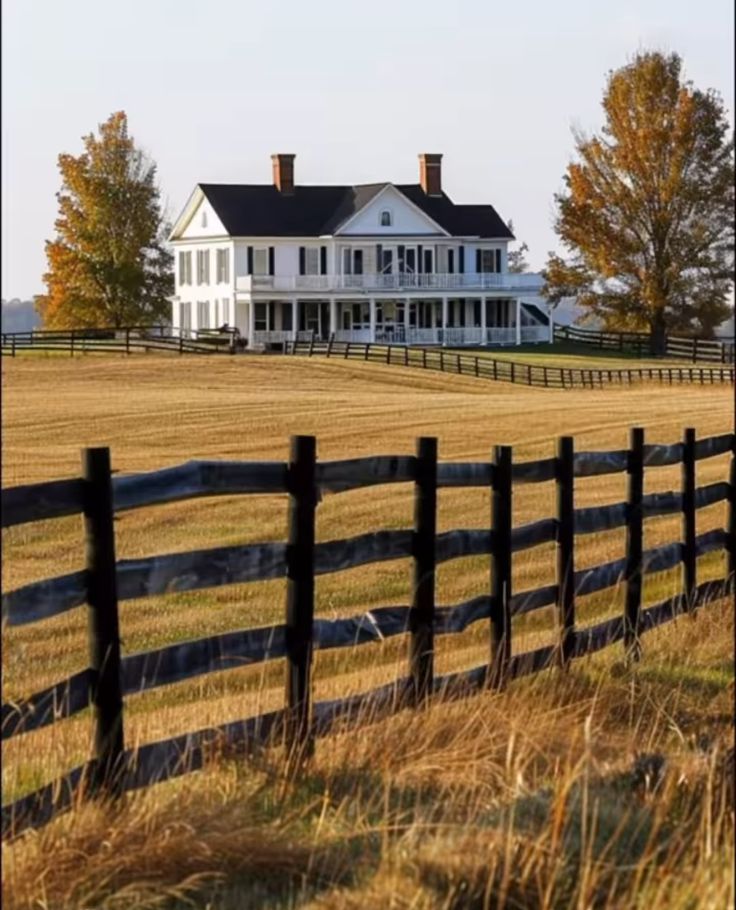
[505, 281]
[450, 337]
[534, 334]
[275, 337]
[363, 336]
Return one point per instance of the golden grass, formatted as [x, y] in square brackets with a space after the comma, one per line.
[334, 839]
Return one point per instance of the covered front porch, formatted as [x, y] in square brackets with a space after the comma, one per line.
[451, 322]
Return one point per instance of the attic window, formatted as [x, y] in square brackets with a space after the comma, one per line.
[204, 219]
[385, 218]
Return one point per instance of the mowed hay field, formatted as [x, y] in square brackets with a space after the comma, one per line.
[521, 798]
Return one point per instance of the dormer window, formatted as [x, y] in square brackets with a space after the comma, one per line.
[386, 218]
[204, 219]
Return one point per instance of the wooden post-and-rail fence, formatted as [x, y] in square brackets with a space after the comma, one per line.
[482, 366]
[112, 676]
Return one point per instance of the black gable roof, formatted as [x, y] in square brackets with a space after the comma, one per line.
[260, 210]
[459, 220]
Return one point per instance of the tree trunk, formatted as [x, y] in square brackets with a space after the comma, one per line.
[658, 337]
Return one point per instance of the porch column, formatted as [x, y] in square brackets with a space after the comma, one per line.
[483, 320]
[518, 321]
[294, 318]
[444, 319]
[251, 321]
[333, 316]
[372, 305]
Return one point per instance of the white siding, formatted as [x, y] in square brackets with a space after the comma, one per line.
[214, 227]
[205, 293]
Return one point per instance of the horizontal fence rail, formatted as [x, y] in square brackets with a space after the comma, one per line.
[105, 582]
[639, 343]
[123, 340]
[485, 367]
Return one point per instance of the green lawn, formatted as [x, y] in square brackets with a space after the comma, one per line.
[577, 356]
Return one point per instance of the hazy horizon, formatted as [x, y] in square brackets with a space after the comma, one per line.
[211, 92]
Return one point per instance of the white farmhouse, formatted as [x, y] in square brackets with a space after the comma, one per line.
[375, 262]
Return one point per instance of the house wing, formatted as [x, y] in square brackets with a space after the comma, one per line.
[199, 218]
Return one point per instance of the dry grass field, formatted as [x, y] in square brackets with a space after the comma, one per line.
[526, 799]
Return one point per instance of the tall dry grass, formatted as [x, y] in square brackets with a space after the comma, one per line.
[530, 798]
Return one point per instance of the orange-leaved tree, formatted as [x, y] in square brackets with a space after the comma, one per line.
[647, 212]
[108, 264]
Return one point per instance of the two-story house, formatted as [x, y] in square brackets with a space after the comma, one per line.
[374, 262]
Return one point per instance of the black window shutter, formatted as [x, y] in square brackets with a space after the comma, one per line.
[302, 258]
[358, 262]
[420, 259]
[323, 260]
[498, 260]
[250, 260]
[477, 261]
[379, 258]
[271, 261]
[451, 261]
[461, 260]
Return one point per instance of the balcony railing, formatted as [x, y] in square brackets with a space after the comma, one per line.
[505, 281]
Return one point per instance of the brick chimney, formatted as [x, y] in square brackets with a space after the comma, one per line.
[430, 174]
[283, 173]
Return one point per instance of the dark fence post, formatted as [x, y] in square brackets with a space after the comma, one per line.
[564, 476]
[421, 614]
[127, 341]
[103, 622]
[689, 557]
[731, 519]
[71, 344]
[501, 511]
[634, 543]
[330, 343]
[300, 592]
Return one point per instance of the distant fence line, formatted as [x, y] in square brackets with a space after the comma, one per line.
[482, 366]
[164, 339]
[104, 582]
[122, 340]
[639, 343]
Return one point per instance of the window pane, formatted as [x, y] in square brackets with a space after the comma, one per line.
[260, 317]
[287, 317]
[260, 262]
[311, 261]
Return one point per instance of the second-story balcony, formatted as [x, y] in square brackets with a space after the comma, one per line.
[400, 282]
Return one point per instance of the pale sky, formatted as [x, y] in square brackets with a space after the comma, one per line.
[356, 91]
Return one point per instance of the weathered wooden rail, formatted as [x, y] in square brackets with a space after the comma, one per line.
[122, 340]
[112, 675]
[639, 343]
[485, 367]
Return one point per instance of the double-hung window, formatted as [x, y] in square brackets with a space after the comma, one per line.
[223, 266]
[352, 261]
[203, 266]
[489, 261]
[185, 268]
[203, 314]
[311, 260]
[260, 261]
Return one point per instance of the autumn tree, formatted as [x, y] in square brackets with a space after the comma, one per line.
[108, 264]
[647, 213]
[517, 258]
